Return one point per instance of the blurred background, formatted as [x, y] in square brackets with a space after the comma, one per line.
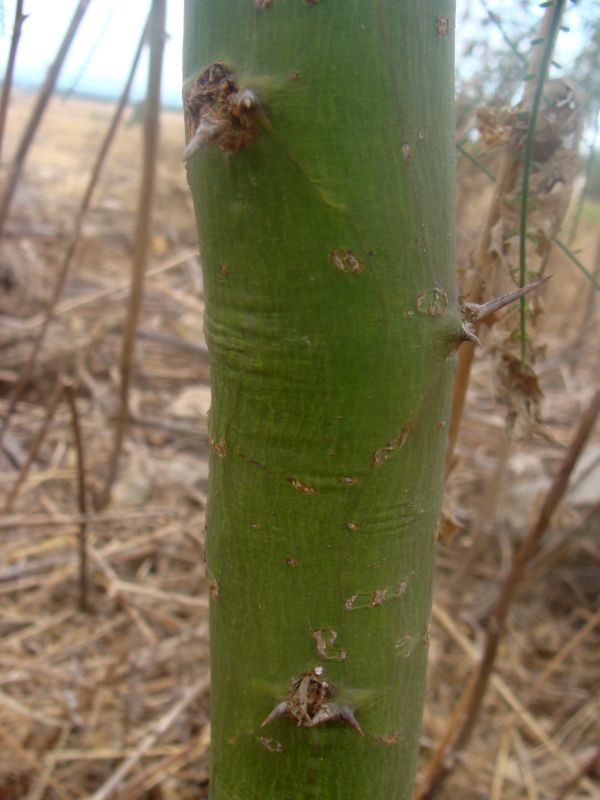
[105, 388]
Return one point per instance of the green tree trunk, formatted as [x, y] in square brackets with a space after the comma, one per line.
[321, 160]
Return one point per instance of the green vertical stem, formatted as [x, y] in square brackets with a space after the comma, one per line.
[321, 161]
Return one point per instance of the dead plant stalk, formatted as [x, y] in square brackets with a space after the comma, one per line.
[147, 183]
[81, 495]
[10, 66]
[158, 730]
[37, 442]
[586, 768]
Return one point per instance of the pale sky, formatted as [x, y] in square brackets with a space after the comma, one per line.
[101, 54]
[103, 48]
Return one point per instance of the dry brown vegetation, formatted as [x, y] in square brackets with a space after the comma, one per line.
[113, 703]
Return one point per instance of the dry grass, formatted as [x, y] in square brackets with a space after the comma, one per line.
[113, 704]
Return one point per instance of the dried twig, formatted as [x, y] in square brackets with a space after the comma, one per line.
[37, 113]
[53, 402]
[38, 790]
[10, 66]
[116, 287]
[501, 766]
[151, 139]
[163, 725]
[155, 774]
[533, 728]
[560, 657]
[442, 765]
[586, 768]
[81, 497]
[540, 681]
[35, 765]
[62, 520]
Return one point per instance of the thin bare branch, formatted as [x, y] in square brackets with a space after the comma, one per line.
[151, 140]
[35, 445]
[81, 496]
[586, 768]
[116, 288]
[10, 67]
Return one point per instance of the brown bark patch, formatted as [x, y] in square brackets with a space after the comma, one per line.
[325, 639]
[387, 451]
[272, 745]
[345, 261]
[442, 26]
[301, 487]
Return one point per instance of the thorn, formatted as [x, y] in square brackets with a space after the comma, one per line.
[206, 132]
[246, 99]
[279, 711]
[473, 312]
[467, 334]
[347, 715]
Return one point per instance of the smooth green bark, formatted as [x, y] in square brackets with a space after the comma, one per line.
[331, 320]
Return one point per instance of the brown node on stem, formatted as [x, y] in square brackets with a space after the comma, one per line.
[218, 111]
[310, 703]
